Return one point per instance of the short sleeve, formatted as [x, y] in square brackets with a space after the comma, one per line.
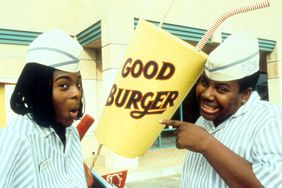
[267, 154]
[16, 167]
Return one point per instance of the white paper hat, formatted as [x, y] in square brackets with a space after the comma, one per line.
[56, 49]
[235, 58]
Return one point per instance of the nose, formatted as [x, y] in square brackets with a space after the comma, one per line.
[76, 92]
[208, 94]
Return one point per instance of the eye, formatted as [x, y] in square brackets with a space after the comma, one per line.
[63, 86]
[204, 82]
[222, 90]
[79, 84]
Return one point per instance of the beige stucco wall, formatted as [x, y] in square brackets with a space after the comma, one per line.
[274, 67]
[200, 14]
[12, 61]
[74, 16]
[39, 15]
[2, 103]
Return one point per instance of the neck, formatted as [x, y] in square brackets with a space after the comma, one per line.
[61, 132]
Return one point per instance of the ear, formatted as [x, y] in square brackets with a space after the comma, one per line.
[246, 95]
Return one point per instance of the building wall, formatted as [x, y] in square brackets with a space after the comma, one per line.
[39, 15]
[2, 103]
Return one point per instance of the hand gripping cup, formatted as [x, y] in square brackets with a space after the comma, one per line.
[158, 72]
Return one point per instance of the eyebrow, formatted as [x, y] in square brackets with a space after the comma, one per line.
[62, 77]
[223, 84]
[67, 77]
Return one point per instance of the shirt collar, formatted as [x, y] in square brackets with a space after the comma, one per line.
[243, 109]
[47, 131]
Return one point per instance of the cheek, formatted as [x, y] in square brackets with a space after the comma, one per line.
[58, 102]
[229, 105]
[237, 103]
[57, 106]
[199, 89]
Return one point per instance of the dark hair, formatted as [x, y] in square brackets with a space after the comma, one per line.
[248, 81]
[33, 94]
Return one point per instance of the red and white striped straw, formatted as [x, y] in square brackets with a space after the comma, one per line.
[231, 12]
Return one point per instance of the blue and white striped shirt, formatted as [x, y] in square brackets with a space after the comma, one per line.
[255, 133]
[34, 156]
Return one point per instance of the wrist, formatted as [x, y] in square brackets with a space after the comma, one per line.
[206, 143]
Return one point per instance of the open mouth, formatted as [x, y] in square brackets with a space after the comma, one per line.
[209, 109]
[73, 113]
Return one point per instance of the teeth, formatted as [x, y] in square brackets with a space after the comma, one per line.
[209, 108]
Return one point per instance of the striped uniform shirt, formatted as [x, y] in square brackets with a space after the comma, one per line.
[34, 156]
[255, 133]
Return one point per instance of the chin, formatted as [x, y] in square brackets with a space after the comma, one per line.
[208, 116]
[68, 123]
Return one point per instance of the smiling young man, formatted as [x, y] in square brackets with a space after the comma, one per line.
[236, 142]
[41, 148]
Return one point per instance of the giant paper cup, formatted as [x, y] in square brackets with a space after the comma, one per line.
[157, 73]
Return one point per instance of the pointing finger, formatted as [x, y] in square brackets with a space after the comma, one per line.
[173, 123]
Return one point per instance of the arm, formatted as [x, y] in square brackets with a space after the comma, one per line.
[233, 169]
